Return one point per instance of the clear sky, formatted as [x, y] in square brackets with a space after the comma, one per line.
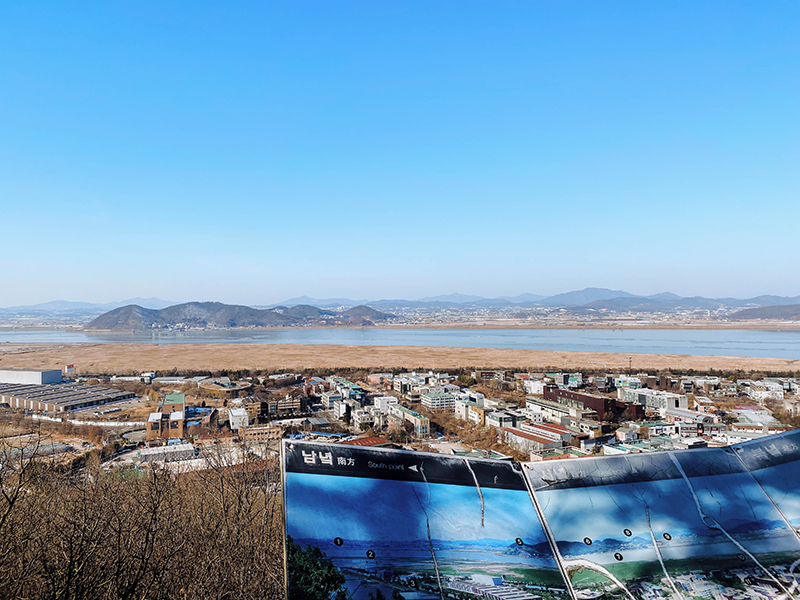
[251, 152]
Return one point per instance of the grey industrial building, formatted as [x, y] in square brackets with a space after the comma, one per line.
[59, 397]
[30, 376]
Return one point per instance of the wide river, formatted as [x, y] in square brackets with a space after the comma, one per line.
[705, 342]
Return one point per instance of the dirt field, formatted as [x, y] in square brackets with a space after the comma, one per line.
[125, 358]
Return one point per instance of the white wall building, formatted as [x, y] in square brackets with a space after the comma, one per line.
[329, 398]
[532, 414]
[383, 402]
[534, 387]
[654, 399]
[237, 418]
[30, 376]
[440, 401]
[363, 419]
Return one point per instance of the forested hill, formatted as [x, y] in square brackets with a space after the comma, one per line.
[787, 312]
[218, 315]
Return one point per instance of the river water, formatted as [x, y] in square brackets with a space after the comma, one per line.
[706, 342]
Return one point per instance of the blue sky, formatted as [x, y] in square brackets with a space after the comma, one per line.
[251, 152]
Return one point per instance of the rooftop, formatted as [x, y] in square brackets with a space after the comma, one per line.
[175, 399]
[367, 441]
[528, 436]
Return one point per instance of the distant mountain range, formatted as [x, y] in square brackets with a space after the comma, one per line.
[303, 309]
[586, 299]
[64, 307]
[218, 315]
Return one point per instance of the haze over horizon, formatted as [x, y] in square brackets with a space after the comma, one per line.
[572, 297]
[255, 152]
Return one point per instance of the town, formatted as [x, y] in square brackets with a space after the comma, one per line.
[503, 414]
[186, 424]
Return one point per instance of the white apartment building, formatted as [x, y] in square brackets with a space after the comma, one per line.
[382, 403]
[762, 390]
[534, 387]
[363, 419]
[469, 410]
[329, 397]
[654, 399]
[440, 401]
[532, 414]
[623, 381]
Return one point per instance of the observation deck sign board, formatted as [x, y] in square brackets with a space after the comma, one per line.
[719, 523]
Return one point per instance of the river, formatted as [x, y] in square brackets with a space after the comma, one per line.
[702, 342]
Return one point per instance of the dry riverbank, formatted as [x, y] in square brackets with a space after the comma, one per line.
[122, 358]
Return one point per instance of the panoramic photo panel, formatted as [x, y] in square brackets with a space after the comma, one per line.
[673, 524]
[774, 462]
[395, 524]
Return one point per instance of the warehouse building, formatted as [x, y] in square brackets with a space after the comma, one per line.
[30, 376]
[60, 397]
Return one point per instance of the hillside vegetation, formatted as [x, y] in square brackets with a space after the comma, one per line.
[786, 312]
[219, 315]
[139, 534]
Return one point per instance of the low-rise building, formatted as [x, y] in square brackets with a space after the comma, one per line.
[59, 397]
[603, 383]
[223, 387]
[379, 378]
[500, 419]
[261, 435]
[624, 381]
[527, 442]
[605, 407]
[329, 397]
[237, 418]
[382, 403]
[532, 414]
[625, 434]
[169, 421]
[399, 414]
[534, 387]
[554, 411]
[30, 376]
[174, 420]
[654, 399]
[762, 390]
[469, 410]
[549, 431]
[567, 380]
[558, 454]
[585, 426]
[672, 415]
[489, 375]
[438, 400]
[291, 404]
[704, 404]
[364, 418]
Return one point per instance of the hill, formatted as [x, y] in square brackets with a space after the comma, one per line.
[126, 318]
[788, 312]
[365, 315]
[219, 315]
[585, 296]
